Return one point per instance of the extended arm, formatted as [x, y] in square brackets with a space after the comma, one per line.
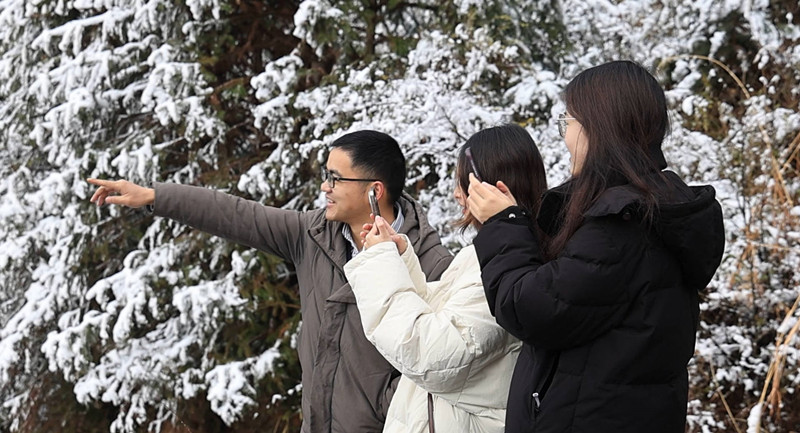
[242, 221]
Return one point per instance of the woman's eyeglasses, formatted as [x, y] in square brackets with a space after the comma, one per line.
[561, 120]
[331, 178]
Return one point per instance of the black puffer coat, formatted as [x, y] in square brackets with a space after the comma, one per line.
[609, 325]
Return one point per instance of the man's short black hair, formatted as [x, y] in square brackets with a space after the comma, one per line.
[378, 156]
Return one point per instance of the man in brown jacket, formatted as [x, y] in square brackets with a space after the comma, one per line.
[347, 385]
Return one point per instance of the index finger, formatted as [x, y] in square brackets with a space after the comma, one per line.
[475, 186]
[374, 229]
[100, 182]
[384, 225]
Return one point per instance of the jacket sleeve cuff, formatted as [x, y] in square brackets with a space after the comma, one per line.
[415, 271]
[151, 208]
[511, 214]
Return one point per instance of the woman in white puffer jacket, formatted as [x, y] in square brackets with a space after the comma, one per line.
[441, 335]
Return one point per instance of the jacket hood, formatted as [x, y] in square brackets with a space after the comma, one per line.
[688, 220]
[693, 230]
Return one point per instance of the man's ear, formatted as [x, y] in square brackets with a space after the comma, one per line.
[380, 190]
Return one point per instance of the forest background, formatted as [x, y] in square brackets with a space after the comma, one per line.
[112, 320]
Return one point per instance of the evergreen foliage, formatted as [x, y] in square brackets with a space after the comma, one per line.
[111, 320]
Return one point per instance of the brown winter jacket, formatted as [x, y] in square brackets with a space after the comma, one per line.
[347, 385]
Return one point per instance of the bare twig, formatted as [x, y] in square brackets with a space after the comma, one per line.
[449, 120]
[722, 397]
[794, 152]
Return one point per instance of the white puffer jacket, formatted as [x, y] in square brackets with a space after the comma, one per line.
[440, 336]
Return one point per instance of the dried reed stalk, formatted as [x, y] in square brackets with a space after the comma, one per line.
[775, 372]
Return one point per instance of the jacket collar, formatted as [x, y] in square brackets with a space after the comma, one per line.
[328, 237]
[612, 201]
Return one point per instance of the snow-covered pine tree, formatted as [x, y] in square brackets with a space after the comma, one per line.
[88, 88]
[111, 320]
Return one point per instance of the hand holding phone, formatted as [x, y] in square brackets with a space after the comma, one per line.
[373, 203]
[382, 231]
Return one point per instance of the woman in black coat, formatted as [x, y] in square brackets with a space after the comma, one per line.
[605, 294]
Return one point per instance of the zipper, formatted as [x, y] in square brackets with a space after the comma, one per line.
[537, 404]
[538, 395]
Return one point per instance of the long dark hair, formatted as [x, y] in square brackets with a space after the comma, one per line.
[508, 153]
[623, 112]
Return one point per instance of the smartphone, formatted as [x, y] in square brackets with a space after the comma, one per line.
[468, 154]
[373, 202]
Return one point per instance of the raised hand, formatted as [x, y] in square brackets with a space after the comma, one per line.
[381, 231]
[121, 192]
[485, 200]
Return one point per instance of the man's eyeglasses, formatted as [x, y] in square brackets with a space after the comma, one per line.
[331, 178]
[562, 123]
